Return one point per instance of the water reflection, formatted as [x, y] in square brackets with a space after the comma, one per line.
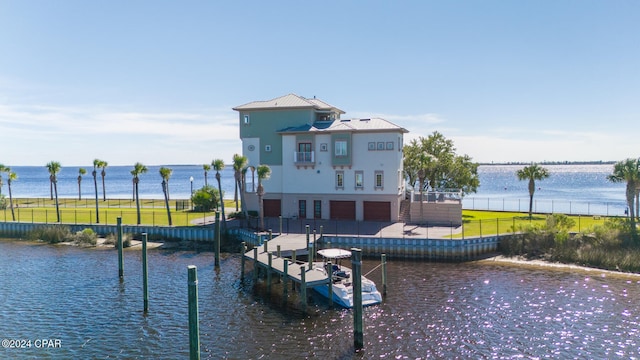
[432, 310]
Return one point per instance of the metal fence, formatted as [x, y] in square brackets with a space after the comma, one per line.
[546, 206]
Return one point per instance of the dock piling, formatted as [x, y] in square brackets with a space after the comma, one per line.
[194, 327]
[384, 274]
[243, 249]
[285, 278]
[356, 263]
[330, 285]
[303, 288]
[255, 264]
[270, 263]
[217, 241]
[120, 259]
[145, 273]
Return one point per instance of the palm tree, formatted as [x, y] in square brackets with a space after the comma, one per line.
[218, 165]
[239, 164]
[628, 171]
[206, 168]
[103, 165]
[81, 172]
[11, 176]
[2, 169]
[264, 171]
[166, 174]
[96, 165]
[54, 168]
[138, 169]
[532, 173]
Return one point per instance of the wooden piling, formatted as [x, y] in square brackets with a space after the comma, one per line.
[145, 273]
[280, 218]
[307, 232]
[120, 259]
[269, 268]
[278, 251]
[266, 246]
[217, 241]
[384, 274]
[303, 288]
[285, 278]
[330, 285]
[315, 246]
[243, 249]
[194, 327]
[356, 263]
[293, 257]
[255, 264]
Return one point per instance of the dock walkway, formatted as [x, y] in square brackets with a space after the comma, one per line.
[288, 245]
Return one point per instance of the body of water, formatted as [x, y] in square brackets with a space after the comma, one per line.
[572, 189]
[577, 189]
[433, 310]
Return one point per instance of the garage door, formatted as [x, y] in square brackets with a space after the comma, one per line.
[377, 210]
[272, 207]
[342, 210]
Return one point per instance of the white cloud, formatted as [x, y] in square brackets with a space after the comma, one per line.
[73, 132]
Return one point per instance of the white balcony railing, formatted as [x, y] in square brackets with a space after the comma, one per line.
[304, 157]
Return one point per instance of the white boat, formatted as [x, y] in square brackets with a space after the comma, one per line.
[342, 282]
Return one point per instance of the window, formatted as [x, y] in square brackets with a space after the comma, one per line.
[339, 179]
[246, 120]
[389, 145]
[304, 153]
[341, 148]
[379, 179]
[302, 209]
[359, 179]
[323, 147]
[380, 145]
[317, 209]
[267, 148]
[372, 146]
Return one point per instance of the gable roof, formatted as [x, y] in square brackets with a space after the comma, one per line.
[290, 101]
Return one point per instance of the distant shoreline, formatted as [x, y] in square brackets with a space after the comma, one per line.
[551, 163]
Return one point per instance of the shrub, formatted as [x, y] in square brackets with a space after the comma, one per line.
[3, 202]
[205, 198]
[86, 237]
[52, 234]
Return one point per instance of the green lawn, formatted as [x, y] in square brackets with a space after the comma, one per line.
[152, 212]
[477, 222]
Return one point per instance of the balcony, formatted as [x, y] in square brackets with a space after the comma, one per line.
[304, 159]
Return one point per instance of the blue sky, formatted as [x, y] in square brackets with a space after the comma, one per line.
[155, 81]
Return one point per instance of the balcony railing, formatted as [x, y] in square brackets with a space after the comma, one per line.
[304, 157]
[437, 196]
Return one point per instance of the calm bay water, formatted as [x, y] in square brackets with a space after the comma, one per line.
[433, 310]
[578, 189]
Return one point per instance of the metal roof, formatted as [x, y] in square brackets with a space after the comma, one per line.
[373, 124]
[288, 101]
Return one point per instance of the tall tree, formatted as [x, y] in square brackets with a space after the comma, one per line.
[11, 176]
[206, 168]
[442, 167]
[54, 168]
[138, 169]
[532, 173]
[96, 165]
[165, 173]
[239, 165]
[81, 172]
[103, 173]
[218, 165]
[264, 171]
[628, 171]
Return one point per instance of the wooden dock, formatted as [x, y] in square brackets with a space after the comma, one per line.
[281, 262]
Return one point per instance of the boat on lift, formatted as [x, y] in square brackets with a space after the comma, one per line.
[342, 281]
